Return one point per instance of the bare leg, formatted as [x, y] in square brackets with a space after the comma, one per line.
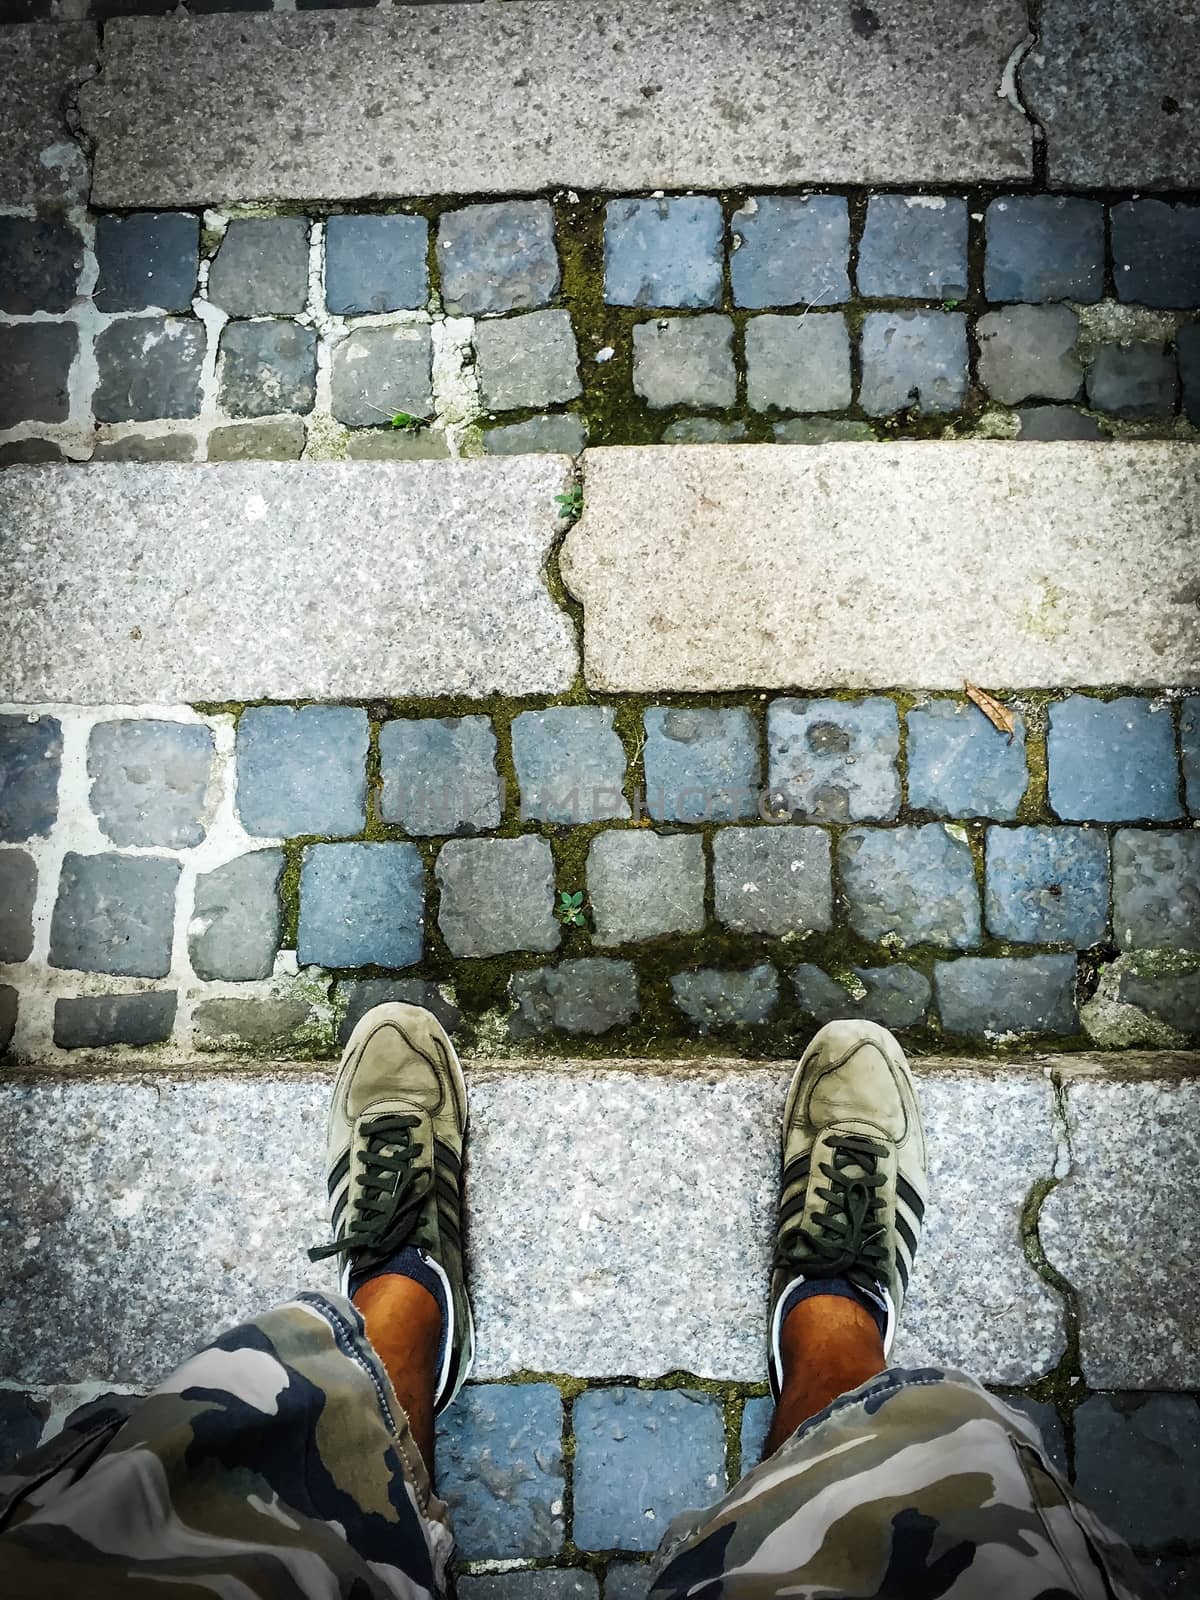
[404, 1324]
[829, 1346]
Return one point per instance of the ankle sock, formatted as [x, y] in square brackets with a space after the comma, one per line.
[872, 1303]
[410, 1262]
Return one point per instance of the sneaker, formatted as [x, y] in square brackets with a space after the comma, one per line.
[854, 1182]
[395, 1151]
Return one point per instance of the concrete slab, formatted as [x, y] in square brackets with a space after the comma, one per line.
[1124, 1229]
[516, 99]
[725, 566]
[571, 1272]
[1115, 84]
[281, 580]
[41, 64]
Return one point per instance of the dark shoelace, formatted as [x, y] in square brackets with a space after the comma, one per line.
[388, 1192]
[846, 1237]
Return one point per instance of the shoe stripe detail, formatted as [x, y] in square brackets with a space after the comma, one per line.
[793, 1208]
[444, 1152]
[907, 1234]
[910, 1197]
[797, 1169]
[902, 1269]
[339, 1172]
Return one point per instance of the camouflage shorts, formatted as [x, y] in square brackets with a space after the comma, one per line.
[276, 1464]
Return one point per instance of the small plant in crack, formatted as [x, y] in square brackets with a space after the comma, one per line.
[570, 504]
[569, 909]
[407, 423]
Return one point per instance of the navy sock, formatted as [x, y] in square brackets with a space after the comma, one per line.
[874, 1305]
[409, 1262]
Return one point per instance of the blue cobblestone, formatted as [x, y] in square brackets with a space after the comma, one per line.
[261, 267]
[798, 363]
[1156, 253]
[18, 890]
[985, 997]
[95, 1021]
[587, 996]
[627, 1580]
[663, 252]
[756, 1424]
[1187, 350]
[773, 879]
[302, 771]
[115, 914]
[570, 764]
[913, 360]
[149, 781]
[534, 1583]
[834, 760]
[1044, 247]
[151, 258]
[500, 1470]
[959, 765]
[1047, 885]
[794, 251]
[1112, 760]
[643, 885]
[30, 759]
[498, 257]
[1189, 741]
[711, 998]
[1136, 380]
[641, 1457]
[1048, 1423]
[701, 765]
[914, 247]
[915, 884]
[497, 895]
[439, 774]
[361, 905]
[896, 996]
[1156, 889]
[149, 369]
[375, 264]
[40, 261]
[1137, 1463]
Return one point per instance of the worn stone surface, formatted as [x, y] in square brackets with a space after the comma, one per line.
[718, 115]
[913, 247]
[115, 913]
[1044, 247]
[627, 1580]
[897, 997]
[8, 1015]
[40, 66]
[959, 765]
[798, 363]
[496, 258]
[703, 430]
[360, 995]
[18, 890]
[1112, 760]
[497, 895]
[378, 372]
[1114, 87]
[587, 996]
[570, 764]
[834, 760]
[1137, 1464]
[700, 764]
[773, 879]
[790, 250]
[278, 1023]
[642, 1457]
[664, 252]
[1047, 885]
[1137, 1331]
[279, 440]
[375, 264]
[149, 781]
[1189, 749]
[1156, 889]
[36, 358]
[1044, 424]
[642, 885]
[711, 998]
[302, 770]
[237, 921]
[528, 360]
[149, 369]
[261, 267]
[756, 1424]
[40, 258]
[28, 452]
[1156, 253]
[554, 435]
[1135, 380]
[99, 1020]
[664, 606]
[531, 1583]
[267, 367]
[500, 1470]
[1187, 352]
[439, 774]
[148, 447]
[823, 430]
[991, 997]
[397, 444]
[149, 259]
[30, 761]
[550, 1293]
[235, 564]
[1169, 997]
[916, 885]
[684, 361]
[1028, 353]
[361, 905]
[913, 360]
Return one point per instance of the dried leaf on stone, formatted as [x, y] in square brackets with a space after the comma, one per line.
[1000, 717]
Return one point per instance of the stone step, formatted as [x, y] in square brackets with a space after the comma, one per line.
[619, 1216]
